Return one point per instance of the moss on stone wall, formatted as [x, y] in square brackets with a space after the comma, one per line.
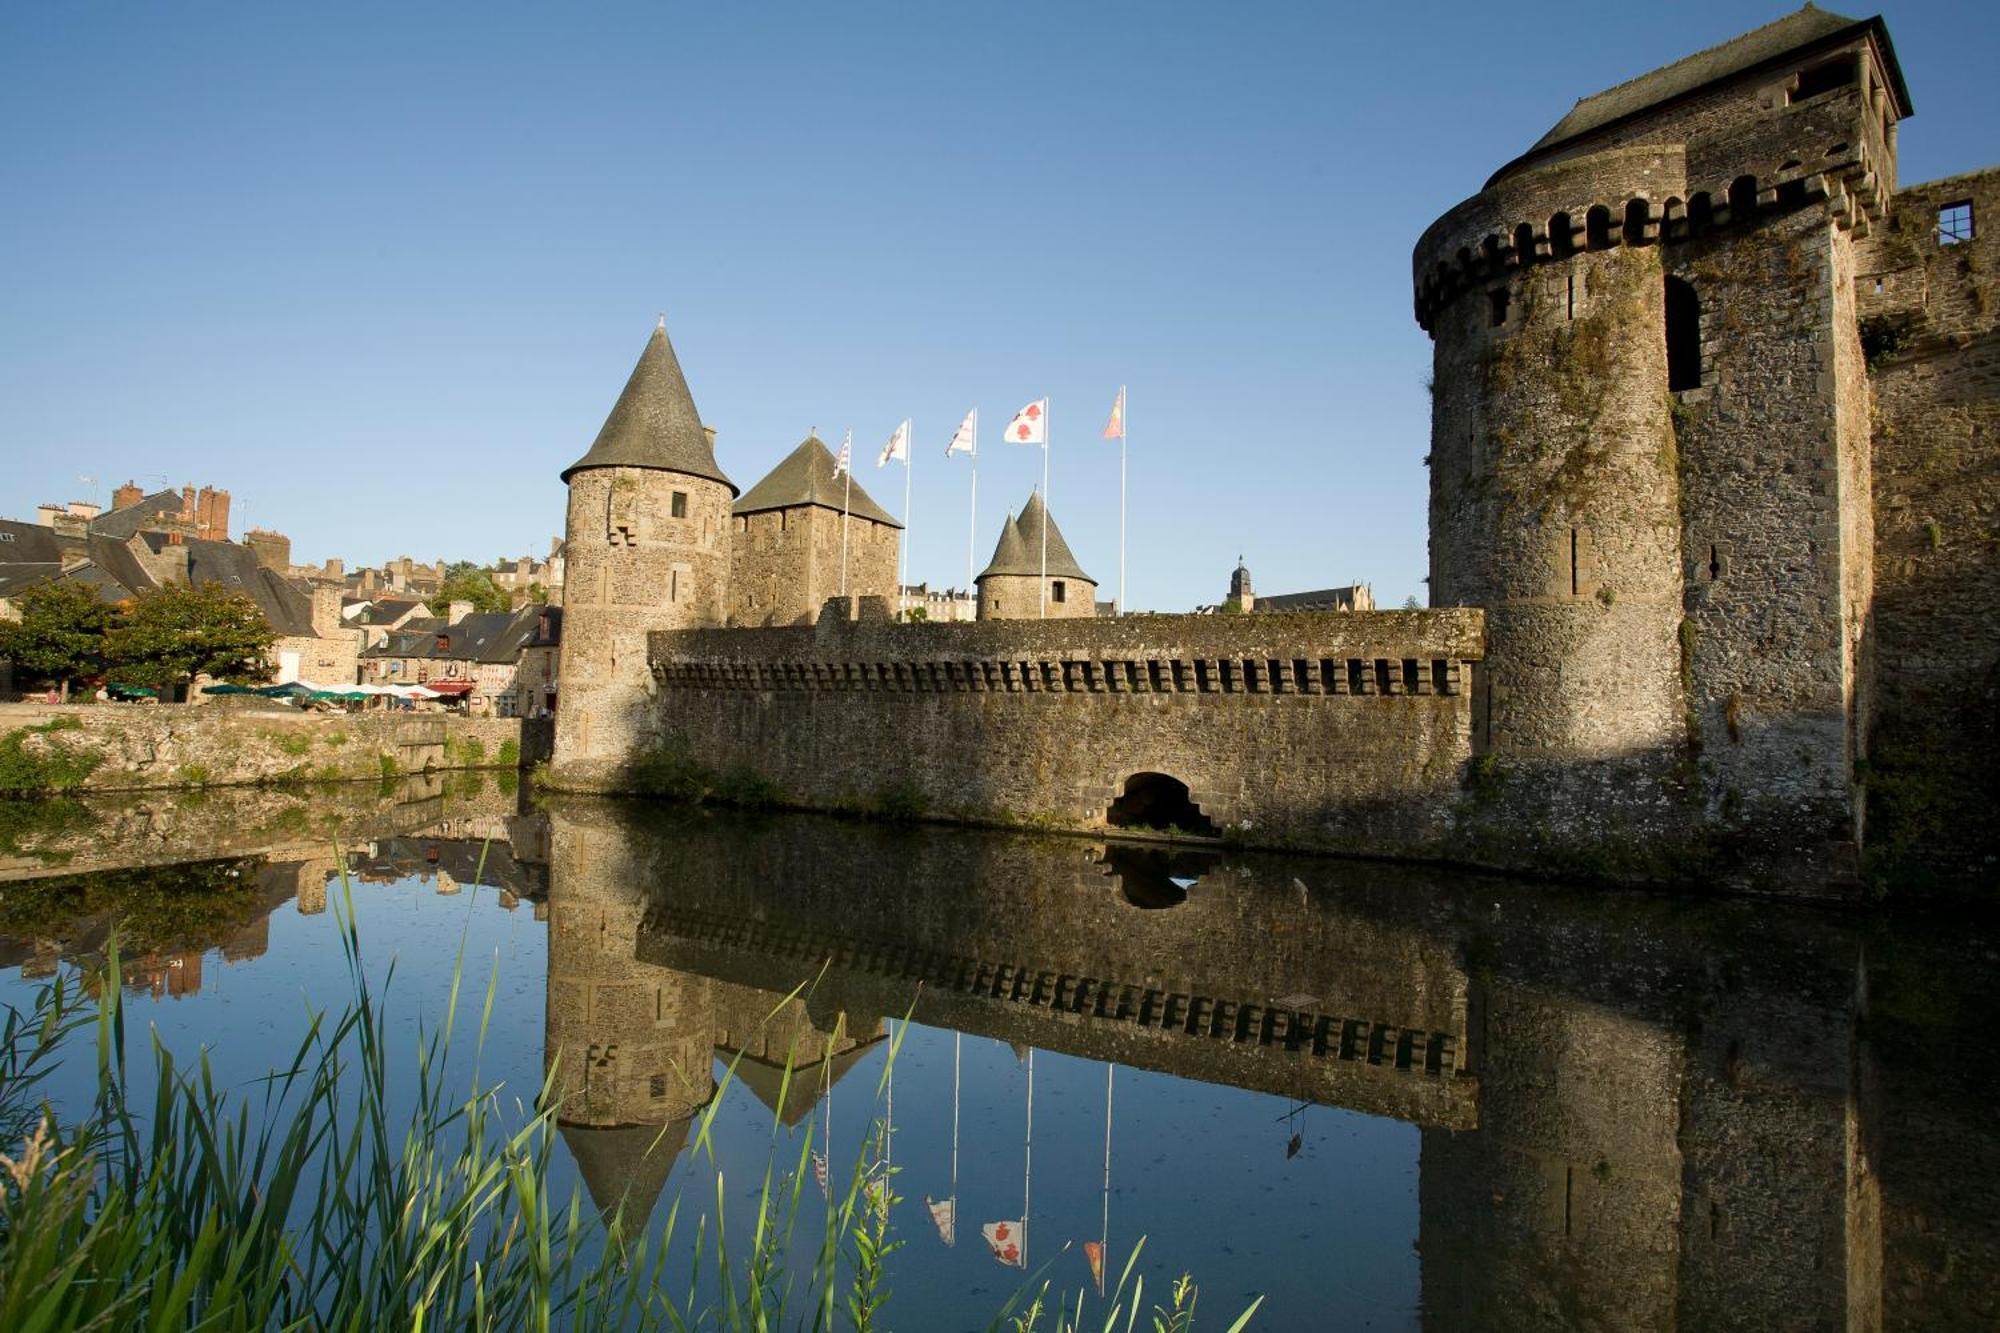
[30, 762]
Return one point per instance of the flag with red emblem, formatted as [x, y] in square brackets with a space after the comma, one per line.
[1008, 1241]
[1031, 424]
[1094, 1252]
[1114, 429]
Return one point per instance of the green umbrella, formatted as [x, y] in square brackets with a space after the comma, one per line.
[226, 688]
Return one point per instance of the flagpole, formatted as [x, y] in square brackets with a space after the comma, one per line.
[909, 461]
[1028, 1158]
[1124, 424]
[1048, 438]
[845, 498]
[1104, 1236]
[972, 522]
[957, 1040]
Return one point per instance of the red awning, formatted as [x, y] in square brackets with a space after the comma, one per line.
[449, 686]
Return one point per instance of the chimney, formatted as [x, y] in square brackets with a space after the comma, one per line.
[336, 568]
[273, 549]
[211, 517]
[326, 594]
[457, 612]
[126, 496]
[46, 515]
[187, 503]
[84, 509]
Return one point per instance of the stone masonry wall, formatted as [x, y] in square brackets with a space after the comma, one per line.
[1019, 597]
[217, 745]
[785, 563]
[1339, 731]
[1930, 317]
[633, 566]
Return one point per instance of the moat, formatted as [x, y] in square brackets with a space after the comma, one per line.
[1380, 1097]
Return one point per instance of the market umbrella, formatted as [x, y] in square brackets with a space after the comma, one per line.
[227, 688]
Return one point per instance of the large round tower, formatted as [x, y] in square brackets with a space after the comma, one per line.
[647, 541]
[1554, 478]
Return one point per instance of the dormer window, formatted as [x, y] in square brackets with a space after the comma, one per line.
[443, 642]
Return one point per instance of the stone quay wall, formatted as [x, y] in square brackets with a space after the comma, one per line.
[138, 748]
[1342, 732]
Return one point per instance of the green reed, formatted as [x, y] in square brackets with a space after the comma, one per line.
[302, 1201]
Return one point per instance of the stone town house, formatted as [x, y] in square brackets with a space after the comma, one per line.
[499, 664]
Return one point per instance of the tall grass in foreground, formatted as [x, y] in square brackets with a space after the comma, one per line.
[302, 1201]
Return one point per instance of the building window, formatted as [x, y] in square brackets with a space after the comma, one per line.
[1496, 306]
[680, 504]
[1955, 222]
[1057, 590]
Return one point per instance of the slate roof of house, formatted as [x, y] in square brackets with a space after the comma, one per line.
[1769, 44]
[133, 518]
[491, 636]
[237, 568]
[1320, 599]
[384, 611]
[1019, 550]
[29, 554]
[654, 423]
[805, 477]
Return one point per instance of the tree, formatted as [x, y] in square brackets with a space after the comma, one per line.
[171, 634]
[60, 635]
[467, 582]
[1411, 603]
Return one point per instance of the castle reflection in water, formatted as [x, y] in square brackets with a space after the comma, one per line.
[1634, 1112]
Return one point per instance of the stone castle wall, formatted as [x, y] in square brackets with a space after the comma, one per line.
[1930, 317]
[1340, 731]
[633, 566]
[785, 563]
[1019, 597]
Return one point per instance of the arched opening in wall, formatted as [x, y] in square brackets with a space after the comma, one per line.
[1636, 215]
[1154, 877]
[1597, 228]
[1562, 239]
[1524, 244]
[1743, 199]
[1683, 335]
[1157, 801]
[1701, 213]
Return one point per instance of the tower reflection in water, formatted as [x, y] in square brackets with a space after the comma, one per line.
[1633, 1114]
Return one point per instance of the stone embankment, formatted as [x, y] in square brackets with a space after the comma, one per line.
[108, 747]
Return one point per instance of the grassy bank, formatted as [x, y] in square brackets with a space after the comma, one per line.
[303, 1200]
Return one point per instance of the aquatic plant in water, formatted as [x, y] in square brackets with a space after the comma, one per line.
[307, 1203]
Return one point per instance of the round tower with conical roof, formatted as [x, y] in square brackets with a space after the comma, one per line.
[1018, 584]
[647, 541]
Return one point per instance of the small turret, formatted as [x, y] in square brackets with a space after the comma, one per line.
[1020, 584]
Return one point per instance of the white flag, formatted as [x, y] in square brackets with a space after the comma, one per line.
[1008, 1241]
[898, 445]
[966, 440]
[1030, 425]
[844, 461]
[944, 1212]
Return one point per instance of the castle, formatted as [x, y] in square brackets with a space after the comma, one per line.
[1712, 543]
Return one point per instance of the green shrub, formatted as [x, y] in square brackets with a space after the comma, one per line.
[49, 767]
[193, 775]
[290, 742]
[510, 753]
[389, 770]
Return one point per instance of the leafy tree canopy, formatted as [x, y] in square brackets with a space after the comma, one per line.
[60, 635]
[467, 582]
[173, 633]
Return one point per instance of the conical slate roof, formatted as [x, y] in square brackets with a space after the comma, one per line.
[808, 1083]
[1020, 547]
[806, 478]
[654, 423]
[625, 1162]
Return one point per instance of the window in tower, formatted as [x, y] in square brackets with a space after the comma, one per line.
[1955, 223]
[1683, 335]
[680, 509]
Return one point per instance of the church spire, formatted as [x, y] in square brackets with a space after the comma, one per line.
[654, 423]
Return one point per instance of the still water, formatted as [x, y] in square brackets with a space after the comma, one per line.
[1379, 1097]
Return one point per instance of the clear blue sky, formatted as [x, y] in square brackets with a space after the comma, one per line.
[381, 272]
